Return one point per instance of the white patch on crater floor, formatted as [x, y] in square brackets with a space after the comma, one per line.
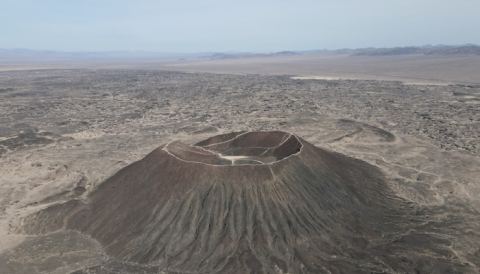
[233, 158]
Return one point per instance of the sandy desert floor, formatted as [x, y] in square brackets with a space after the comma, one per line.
[64, 131]
[411, 69]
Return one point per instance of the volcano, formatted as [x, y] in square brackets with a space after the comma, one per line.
[258, 202]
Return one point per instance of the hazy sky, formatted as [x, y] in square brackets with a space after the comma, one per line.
[223, 25]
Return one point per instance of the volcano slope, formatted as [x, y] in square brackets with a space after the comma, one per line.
[258, 202]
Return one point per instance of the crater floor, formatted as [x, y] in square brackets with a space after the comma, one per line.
[242, 148]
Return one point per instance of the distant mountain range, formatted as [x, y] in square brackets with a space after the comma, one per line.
[249, 54]
[32, 55]
[426, 50]
[468, 49]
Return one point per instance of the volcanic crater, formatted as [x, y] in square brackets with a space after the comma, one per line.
[258, 202]
[242, 148]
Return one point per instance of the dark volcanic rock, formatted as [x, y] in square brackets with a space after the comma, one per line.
[25, 139]
[261, 202]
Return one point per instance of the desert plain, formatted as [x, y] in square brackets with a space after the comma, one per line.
[65, 128]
